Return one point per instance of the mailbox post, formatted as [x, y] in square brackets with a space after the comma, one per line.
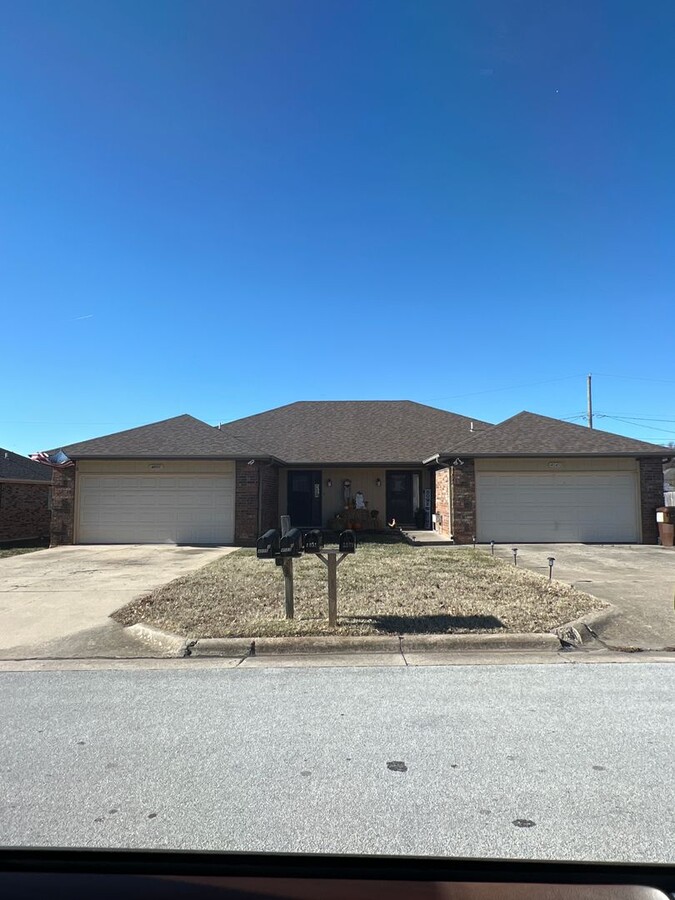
[347, 545]
[283, 549]
[289, 546]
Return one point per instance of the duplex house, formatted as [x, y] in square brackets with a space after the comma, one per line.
[363, 463]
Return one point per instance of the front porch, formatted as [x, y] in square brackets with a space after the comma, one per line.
[425, 538]
[366, 498]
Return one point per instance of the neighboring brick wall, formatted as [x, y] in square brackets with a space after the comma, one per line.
[651, 496]
[246, 526]
[24, 510]
[442, 501]
[463, 502]
[63, 506]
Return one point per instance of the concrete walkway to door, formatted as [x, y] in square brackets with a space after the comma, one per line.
[639, 580]
[56, 603]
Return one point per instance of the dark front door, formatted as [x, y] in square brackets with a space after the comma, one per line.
[304, 498]
[400, 498]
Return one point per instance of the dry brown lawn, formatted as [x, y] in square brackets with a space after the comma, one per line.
[385, 588]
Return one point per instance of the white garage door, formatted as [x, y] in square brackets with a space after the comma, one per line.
[171, 509]
[545, 507]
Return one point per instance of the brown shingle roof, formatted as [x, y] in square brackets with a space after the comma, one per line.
[181, 436]
[20, 468]
[528, 434]
[352, 431]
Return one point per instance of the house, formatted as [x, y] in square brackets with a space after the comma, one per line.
[366, 463]
[25, 488]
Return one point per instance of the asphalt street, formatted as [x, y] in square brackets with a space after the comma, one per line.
[568, 762]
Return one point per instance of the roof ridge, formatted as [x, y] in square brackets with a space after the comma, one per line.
[298, 403]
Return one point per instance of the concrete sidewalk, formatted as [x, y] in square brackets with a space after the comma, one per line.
[56, 603]
[639, 580]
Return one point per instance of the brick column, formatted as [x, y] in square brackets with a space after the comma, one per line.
[63, 506]
[252, 483]
[463, 502]
[269, 497]
[442, 500]
[651, 496]
[246, 503]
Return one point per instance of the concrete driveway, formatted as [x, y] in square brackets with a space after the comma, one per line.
[56, 603]
[639, 580]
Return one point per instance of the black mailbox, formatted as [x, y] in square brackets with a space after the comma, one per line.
[267, 545]
[348, 541]
[313, 541]
[291, 543]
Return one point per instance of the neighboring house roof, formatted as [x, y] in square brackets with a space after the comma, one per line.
[181, 436]
[14, 467]
[528, 434]
[328, 432]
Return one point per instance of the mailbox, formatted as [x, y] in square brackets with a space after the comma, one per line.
[348, 541]
[267, 545]
[291, 543]
[313, 541]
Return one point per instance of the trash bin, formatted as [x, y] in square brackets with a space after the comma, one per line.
[665, 518]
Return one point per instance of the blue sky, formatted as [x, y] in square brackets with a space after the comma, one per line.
[217, 208]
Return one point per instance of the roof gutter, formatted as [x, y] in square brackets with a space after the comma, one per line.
[151, 456]
[445, 458]
[432, 459]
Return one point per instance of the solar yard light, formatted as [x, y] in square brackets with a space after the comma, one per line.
[551, 560]
[492, 547]
[514, 550]
[474, 541]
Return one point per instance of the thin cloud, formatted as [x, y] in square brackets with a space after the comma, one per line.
[79, 318]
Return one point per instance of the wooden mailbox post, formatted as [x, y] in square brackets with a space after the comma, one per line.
[290, 544]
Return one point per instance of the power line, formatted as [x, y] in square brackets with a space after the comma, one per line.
[633, 378]
[636, 424]
[58, 424]
[512, 387]
[636, 418]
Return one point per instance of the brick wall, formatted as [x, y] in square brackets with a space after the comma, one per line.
[247, 529]
[463, 502]
[442, 501]
[63, 506]
[24, 510]
[651, 496]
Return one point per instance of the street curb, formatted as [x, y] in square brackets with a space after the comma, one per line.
[172, 644]
[372, 644]
[582, 631]
[431, 642]
[309, 644]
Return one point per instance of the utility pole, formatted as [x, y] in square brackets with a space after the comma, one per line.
[589, 397]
